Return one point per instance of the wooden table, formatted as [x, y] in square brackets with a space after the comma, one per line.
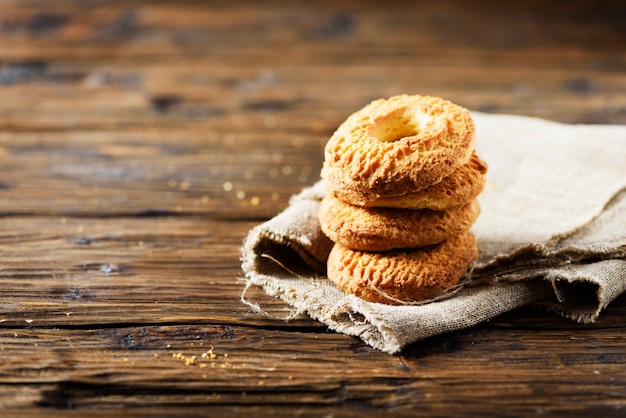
[141, 141]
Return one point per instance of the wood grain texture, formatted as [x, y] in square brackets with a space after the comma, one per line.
[141, 140]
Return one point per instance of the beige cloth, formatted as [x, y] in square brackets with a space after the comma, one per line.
[552, 230]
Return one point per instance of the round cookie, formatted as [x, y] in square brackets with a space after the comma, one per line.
[463, 185]
[399, 144]
[401, 276]
[384, 229]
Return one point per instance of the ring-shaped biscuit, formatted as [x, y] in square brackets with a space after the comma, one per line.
[384, 229]
[404, 143]
[402, 276]
[463, 185]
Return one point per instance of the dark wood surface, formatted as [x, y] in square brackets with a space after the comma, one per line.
[140, 141]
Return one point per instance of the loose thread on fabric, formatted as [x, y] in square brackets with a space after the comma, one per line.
[269, 257]
[299, 311]
[560, 296]
[467, 278]
[257, 309]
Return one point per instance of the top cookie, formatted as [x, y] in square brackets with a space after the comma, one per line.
[399, 144]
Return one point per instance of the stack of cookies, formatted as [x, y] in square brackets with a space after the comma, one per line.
[402, 177]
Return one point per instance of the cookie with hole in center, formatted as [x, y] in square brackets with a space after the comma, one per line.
[403, 143]
[464, 184]
[402, 276]
[384, 229]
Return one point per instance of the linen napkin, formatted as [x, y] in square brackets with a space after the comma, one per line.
[552, 230]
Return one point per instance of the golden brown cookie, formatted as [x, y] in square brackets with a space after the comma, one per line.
[463, 185]
[399, 144]
[383, 229]
[403, 275]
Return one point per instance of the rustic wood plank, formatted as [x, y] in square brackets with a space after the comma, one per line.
[285, 99]
[86, 172]
[115, 270]
[228, 365]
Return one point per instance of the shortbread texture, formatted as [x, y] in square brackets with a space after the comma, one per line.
[383, 229]
[397, 277]
[404, 143]
[464, 184]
